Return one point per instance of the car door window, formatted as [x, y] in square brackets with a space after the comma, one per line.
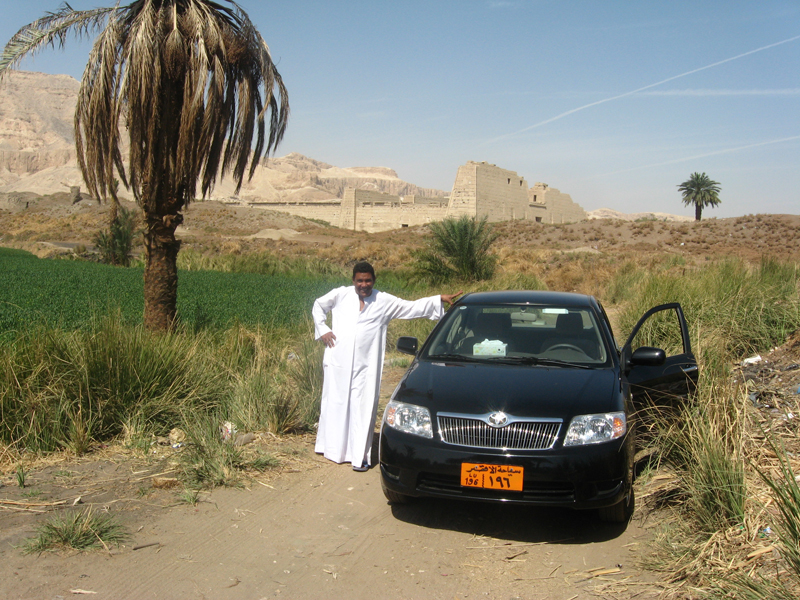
[661, 330]
[662, 327]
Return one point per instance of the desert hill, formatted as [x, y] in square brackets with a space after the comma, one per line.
[37, 152]
[608, 213]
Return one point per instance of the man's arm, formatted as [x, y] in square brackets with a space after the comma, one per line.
[322, 306]
[431, 307]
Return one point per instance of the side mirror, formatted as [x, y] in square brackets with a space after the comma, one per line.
[648, 357]
[407, 345]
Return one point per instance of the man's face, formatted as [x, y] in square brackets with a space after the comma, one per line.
[363, 283]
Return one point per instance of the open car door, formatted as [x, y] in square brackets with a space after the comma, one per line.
[675, 378]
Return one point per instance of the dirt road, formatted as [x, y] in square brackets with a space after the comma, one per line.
[327, 532]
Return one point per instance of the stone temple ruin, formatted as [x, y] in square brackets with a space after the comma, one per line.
[480, 190]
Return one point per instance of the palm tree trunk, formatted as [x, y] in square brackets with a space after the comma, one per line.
[698, 211]
[113, 215]
[161, 272]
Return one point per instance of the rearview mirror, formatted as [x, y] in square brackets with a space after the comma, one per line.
[648, 357]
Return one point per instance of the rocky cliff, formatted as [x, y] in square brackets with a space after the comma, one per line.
[35, 124]
[37, 152]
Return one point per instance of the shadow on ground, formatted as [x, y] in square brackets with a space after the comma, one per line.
[509, 522]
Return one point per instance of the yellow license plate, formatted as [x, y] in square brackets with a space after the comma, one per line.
[493, 477]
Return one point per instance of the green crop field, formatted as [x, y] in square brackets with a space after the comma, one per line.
[67, 293]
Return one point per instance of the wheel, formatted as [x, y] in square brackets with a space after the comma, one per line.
[621, 511]
[395, 497]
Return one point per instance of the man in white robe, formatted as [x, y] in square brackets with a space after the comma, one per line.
[353, 361]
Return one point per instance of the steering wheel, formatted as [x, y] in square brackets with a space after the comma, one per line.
[563, 346]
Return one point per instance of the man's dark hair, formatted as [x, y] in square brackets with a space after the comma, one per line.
[363, 267]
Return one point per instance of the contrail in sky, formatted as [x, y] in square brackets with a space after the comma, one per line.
[703, 93]
[688, 158]
[641, 89]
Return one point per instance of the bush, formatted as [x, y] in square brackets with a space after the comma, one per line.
[76, 530]
[458, 249]
[70, 389]
[116, 244]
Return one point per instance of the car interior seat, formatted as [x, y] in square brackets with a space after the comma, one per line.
[569, 330]
[488, 326]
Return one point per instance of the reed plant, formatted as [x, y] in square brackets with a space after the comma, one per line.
[734, 309]
[71, 389]
[68, 389]
[210, 460]
[262, 263]
[706, 444]
[784, 584]
[76, 530]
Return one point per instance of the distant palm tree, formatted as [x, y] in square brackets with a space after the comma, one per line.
[191, 81]
[701, 191]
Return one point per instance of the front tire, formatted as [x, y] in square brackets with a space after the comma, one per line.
[394, 497]
[620, 512]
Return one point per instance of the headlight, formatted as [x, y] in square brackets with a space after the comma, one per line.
[408, 418]
[596, 429]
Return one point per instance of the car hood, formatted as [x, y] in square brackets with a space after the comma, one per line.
[545, 392]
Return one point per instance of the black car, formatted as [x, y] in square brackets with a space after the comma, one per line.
[526, 397]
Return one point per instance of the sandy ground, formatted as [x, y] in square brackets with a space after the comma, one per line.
[327, 532]
[310, 529]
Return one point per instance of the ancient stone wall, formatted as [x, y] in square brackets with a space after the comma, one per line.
[480, 189]
[485, 190]
[329, 212]
[501, 195]
[550, 205]
[464, 197]
[347, 216]
[382, 218]
[367, 210]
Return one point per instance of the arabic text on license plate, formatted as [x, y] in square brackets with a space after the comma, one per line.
[494, 477]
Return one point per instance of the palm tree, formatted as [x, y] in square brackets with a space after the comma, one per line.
[458, 249]
[191, 82]
[701, 191]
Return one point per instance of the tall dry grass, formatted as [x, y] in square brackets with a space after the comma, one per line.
[73, 389]
[263, 263]
[734, 309]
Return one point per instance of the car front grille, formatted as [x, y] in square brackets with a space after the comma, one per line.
[519, 434]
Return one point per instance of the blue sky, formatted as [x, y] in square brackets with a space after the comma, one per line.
[615, 103]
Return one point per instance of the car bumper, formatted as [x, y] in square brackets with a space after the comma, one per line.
[583, 477]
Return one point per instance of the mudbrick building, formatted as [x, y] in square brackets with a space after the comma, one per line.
[480, 189]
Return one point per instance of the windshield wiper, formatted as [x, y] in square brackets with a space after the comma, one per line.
[533, 360]
[452, 356]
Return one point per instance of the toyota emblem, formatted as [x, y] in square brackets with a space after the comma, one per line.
[498, 419]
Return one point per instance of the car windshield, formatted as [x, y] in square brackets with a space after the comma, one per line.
[529, 335]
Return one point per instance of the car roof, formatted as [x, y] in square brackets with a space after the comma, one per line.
[528, 297]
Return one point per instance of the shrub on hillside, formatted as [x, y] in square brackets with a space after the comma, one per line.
[116, 244]
[458, 249]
